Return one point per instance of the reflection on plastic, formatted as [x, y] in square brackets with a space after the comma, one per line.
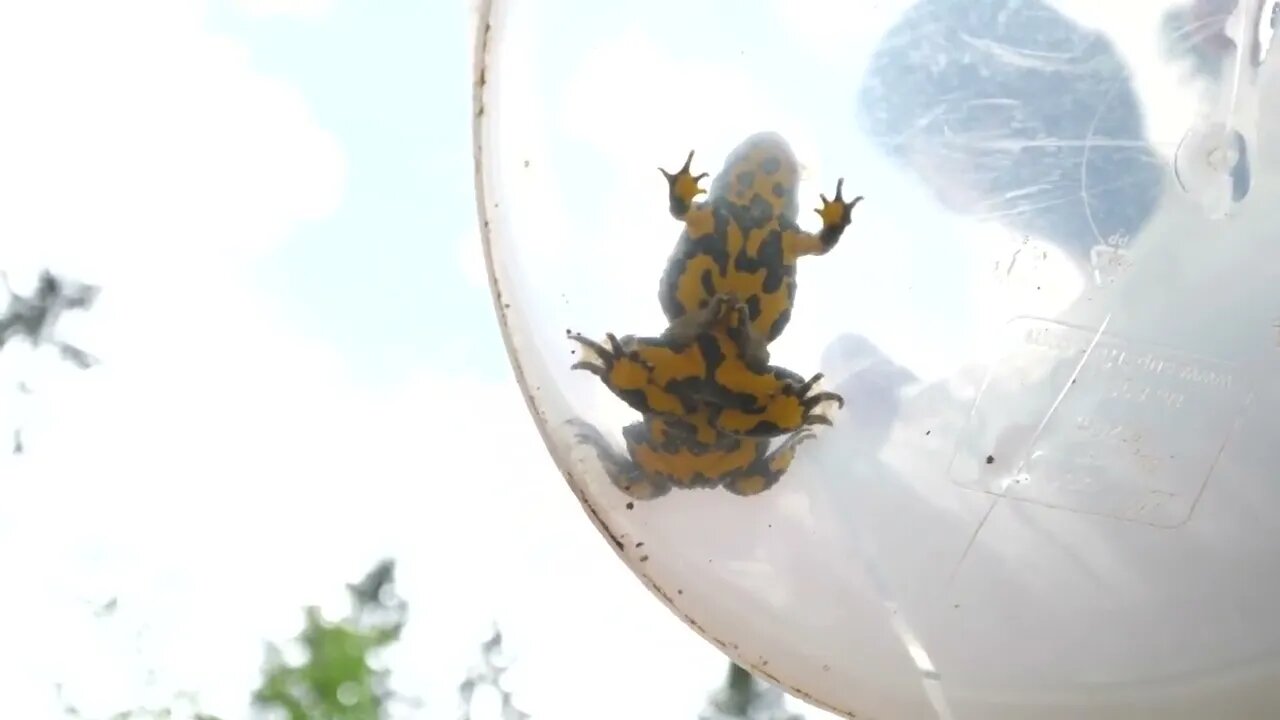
[1010, 111]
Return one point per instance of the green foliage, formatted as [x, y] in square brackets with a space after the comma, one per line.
[337, 675]
[338, 679]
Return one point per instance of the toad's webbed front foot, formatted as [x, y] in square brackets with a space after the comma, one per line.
[683, 188]
[836, 214]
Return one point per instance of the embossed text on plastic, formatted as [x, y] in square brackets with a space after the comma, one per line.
[1093, 423]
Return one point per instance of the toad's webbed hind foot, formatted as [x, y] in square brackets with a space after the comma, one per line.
[683, 188]
[622, 471]
[717, 367]
[794, 407]
[686, 329]
[814, 400]
[603, 360]
[726, 313]
[622, 369]
[766, 471]
[753, 348]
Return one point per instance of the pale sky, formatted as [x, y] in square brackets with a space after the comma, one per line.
[276, 196]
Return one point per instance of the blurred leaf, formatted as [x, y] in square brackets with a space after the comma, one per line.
[743, 697]
[488, 674]
[35, 319]
[337, 680]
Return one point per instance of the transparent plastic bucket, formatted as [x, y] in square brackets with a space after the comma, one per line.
[1051, 489]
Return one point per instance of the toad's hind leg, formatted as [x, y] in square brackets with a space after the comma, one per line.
[753, 346]
[622, 471]
[723, 310]
[686, 329]
[621, 366]
[769, 468]
[748, 396]
[682, 188]
[836, 215]
[735, 359]
[792, 406]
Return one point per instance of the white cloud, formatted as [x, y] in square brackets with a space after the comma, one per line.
[836, 30]
[146, 154]
[199, 474]
[614, 104]
[136, 143]
[306, 9]
[210, 491]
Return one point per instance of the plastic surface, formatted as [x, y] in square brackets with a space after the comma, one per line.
[1052, 491]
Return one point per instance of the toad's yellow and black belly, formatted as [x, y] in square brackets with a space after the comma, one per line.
[744, 239]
